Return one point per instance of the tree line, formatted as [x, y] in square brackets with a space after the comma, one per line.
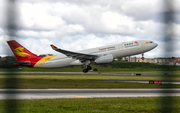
[7, 62]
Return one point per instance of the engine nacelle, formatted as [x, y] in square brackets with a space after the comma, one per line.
[104, 59]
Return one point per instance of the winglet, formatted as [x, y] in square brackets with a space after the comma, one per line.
[54, 47]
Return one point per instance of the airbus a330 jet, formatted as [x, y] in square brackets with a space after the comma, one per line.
[99, 55]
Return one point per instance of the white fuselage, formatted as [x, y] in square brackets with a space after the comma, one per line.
[117, 50]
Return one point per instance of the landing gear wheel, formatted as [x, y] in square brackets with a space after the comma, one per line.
[89, 68]
[142, 58]
[85, 71]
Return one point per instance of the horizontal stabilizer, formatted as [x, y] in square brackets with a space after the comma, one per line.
[27, 63]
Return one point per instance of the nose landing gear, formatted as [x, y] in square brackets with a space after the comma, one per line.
[142, 56]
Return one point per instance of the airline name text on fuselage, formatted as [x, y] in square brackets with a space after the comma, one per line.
[108, 48]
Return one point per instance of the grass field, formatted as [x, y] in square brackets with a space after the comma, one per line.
[32, 78]
[93, 105]
[100, 68]
[51, 79]
[80, 81]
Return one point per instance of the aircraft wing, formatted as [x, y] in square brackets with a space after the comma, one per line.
[76, 55]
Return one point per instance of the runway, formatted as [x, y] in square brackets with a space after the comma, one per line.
[84, 93]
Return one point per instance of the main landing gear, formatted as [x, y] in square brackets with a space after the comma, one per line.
[88, 67]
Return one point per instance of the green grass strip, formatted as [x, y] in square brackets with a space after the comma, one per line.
[78, 81]
[93, 105]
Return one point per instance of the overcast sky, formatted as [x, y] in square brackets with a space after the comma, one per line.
[82, 24]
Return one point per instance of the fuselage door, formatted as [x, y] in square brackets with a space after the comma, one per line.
[142, 44]
[120, 47]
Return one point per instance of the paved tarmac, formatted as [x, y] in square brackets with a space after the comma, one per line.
[84, 93]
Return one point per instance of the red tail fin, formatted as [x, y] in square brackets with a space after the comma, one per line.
[22, 54]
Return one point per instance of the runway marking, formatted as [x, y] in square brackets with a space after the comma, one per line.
[80, 96]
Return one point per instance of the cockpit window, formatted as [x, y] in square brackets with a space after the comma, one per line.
[151, 42]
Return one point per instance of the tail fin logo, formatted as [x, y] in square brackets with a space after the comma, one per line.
[19, 51]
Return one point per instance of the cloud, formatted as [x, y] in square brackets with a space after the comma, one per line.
[81, 24]
[40, 34]
[141, 10]
[36, 16]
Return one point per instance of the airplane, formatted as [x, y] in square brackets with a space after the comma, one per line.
[99, 55]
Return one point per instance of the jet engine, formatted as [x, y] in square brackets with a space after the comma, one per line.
[108, 58]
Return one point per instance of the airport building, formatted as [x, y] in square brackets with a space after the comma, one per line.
[160, 61]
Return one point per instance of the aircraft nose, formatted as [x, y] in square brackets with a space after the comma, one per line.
[156, 44]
